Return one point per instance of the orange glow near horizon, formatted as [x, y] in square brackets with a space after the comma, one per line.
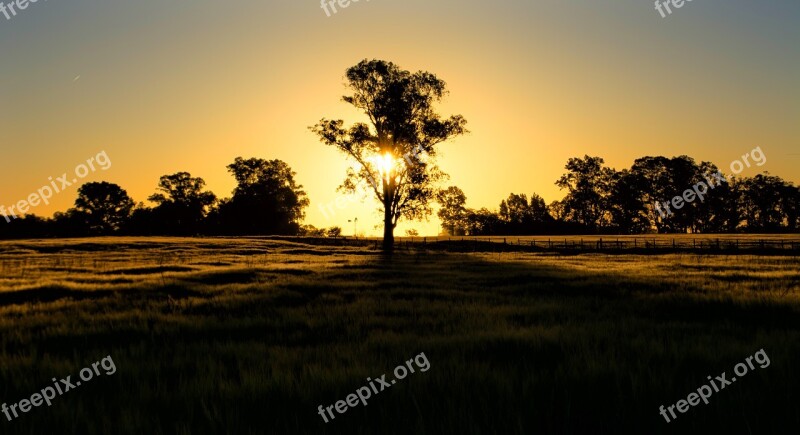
[538, 82]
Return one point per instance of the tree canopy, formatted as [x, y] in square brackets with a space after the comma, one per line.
[395, 152]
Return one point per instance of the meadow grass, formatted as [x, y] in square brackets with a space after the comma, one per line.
[249, 336]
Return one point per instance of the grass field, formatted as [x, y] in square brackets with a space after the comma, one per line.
[250, 336]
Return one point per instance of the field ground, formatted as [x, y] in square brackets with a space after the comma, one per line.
[250, 336]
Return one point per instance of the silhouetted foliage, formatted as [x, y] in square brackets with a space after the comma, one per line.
[266, 200]
[518, 216]
[399, 146]
[181, 203]
[312, 231]
[453, 211]
[104, 206]
[587, 183]
[599, 199]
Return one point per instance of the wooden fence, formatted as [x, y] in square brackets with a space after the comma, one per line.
[788, 246]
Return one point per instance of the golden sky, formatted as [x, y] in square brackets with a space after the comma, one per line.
[168, 86]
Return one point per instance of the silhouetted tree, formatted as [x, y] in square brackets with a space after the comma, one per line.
[182, 204]
[144, 222]
[539, 211]
[453, 211]
[514, 210]
[104, 206]
[482, 222]
[519, 216]
[761, 203]
[399, 145]
[26, 227]
[626, 203]
[718, 211]
[587, 185]
[661, 179]
[266, 199]
[311, 231]
[70, 223]
[790, 206]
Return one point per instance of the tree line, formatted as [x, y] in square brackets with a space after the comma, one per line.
[266, 201]
[601, 200]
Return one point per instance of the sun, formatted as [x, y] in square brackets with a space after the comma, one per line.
[386, 164]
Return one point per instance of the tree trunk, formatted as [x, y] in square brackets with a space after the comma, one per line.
[388, 228]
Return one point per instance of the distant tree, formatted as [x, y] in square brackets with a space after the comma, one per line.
[70, 223]
[25, 227]
[538, 210]
[587, 185]
[557, 210]
[685, 173]
[182, 204]
[762, 202]
[453, 211]
[482, 222]
[395, 152]
[515, 210]
[651, 176]
[312, 231]
[104, 206]
[412, 233]
[718, 211]
[266, 200]
[334, 232]
[661, 179]
[144, 222]
[626, 204]
[790, 206]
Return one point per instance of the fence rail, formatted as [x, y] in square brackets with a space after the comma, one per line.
[788, 246]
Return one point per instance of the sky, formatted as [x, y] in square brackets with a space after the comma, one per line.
[168, 86]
